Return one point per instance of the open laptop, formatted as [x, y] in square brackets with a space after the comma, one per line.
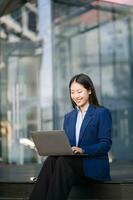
[52, 143]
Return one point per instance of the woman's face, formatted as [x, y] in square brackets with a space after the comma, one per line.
[79, 94]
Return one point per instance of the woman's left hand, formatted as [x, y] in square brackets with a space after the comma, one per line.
[77, 150]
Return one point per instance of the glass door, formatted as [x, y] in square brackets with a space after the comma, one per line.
[20, 100]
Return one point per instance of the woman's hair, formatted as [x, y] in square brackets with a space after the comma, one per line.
[87, 83]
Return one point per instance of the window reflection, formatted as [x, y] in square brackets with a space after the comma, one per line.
[21, 66]
[98, 40]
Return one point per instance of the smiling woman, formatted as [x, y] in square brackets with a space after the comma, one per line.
[42, 45]
[88, 128]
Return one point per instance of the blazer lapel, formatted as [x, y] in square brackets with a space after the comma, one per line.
[87, 120]
[73, 125]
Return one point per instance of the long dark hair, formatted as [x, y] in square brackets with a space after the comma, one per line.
[86, 81]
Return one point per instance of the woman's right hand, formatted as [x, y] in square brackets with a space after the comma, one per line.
[77, 150]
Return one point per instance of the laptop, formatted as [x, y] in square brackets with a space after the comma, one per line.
[54, 143]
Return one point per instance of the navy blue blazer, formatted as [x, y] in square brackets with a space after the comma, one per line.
[94, 139]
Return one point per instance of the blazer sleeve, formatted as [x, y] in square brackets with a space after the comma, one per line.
[104, 141]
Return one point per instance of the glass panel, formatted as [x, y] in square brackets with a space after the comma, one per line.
[26, 103]
[76, 50]
[116, 60]
[97, 39]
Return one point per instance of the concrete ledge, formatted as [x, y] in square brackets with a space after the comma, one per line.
[91, 191]
[15, 183]
[102, 191]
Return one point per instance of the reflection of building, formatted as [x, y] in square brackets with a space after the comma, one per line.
[98, 40]
[21, 22]
[20, 51]
[41, 50]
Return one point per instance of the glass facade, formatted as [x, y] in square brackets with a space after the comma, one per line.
[98, 40]
[25, 79]
[42, 45]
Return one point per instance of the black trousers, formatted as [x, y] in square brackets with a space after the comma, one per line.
[57, 177]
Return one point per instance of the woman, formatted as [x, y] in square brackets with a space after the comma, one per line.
[88, 127]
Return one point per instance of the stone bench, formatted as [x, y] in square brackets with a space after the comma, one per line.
[91, 191]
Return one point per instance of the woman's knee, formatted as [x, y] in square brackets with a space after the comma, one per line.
[50, 160]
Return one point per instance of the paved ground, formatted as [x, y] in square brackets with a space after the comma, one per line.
[120, 172]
